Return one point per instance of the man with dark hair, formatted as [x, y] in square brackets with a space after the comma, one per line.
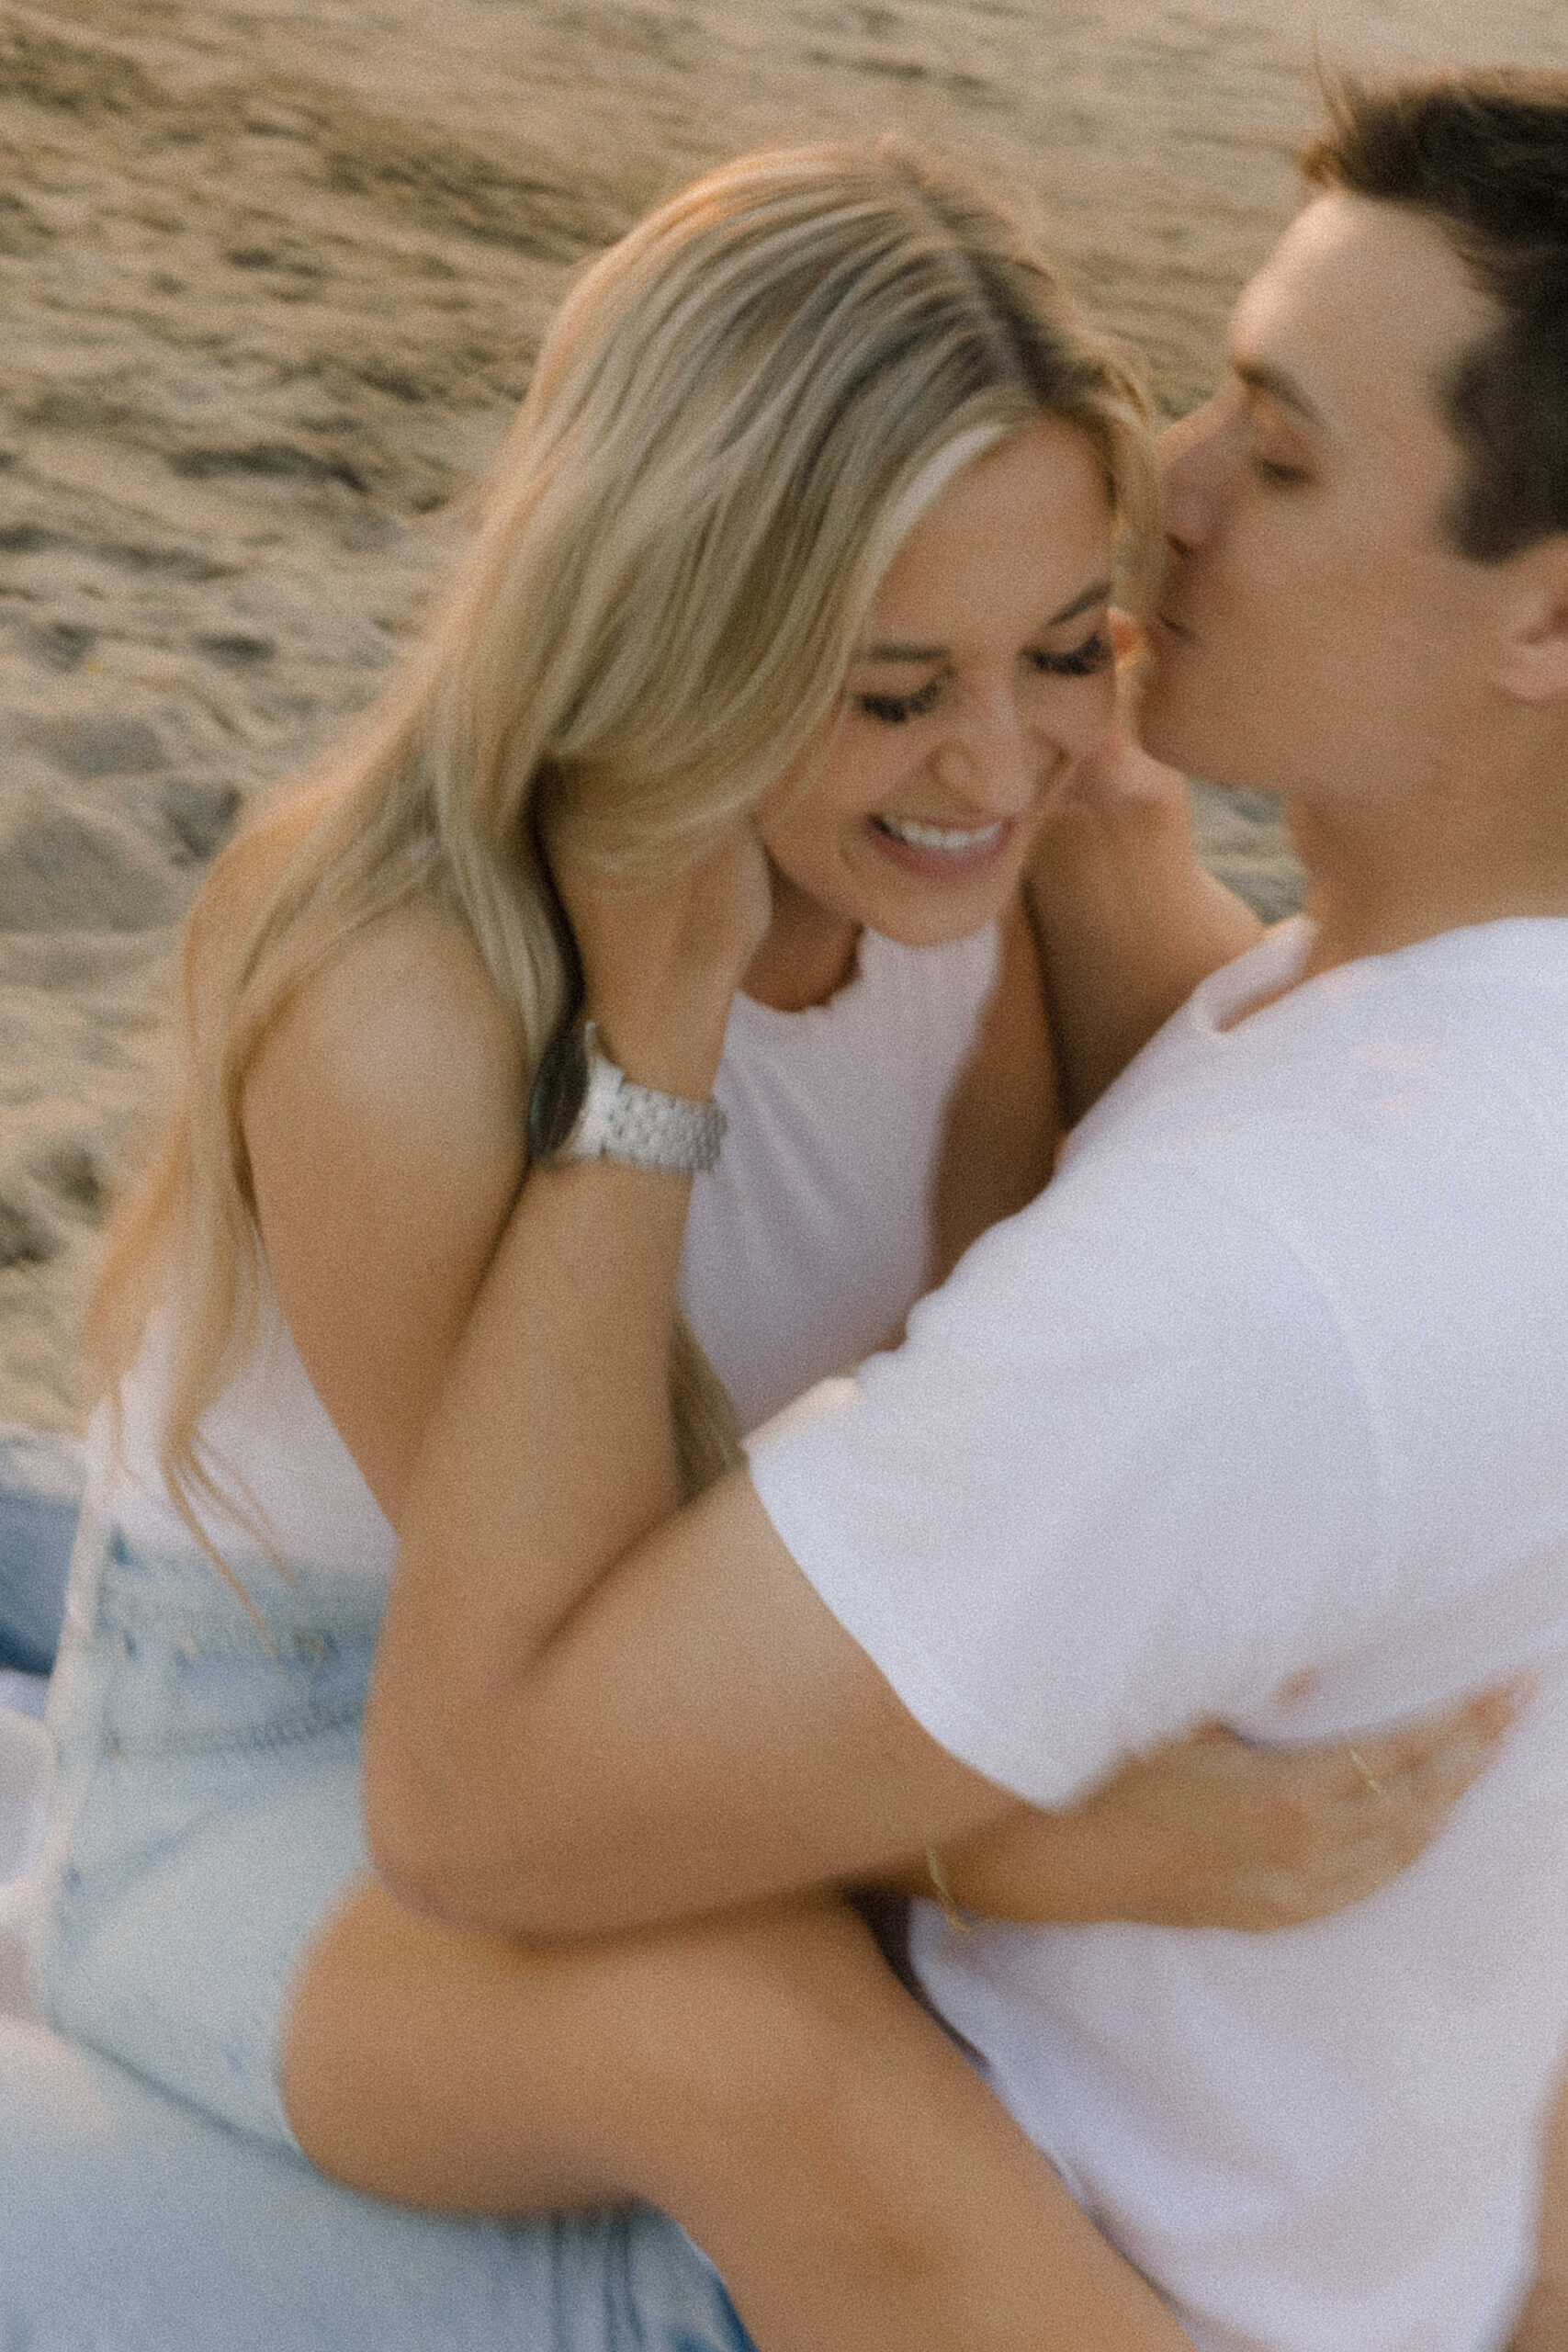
[1481, 158]
[1257, 1414]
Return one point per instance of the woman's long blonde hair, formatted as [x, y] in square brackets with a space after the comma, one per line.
[722, 445]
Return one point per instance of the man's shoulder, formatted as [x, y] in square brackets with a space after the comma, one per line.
[1378, 1155]
[1395, 1058]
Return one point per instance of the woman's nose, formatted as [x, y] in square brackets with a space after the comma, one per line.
[994, 759]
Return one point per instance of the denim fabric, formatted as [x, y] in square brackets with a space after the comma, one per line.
[24, 1694]
[132, 2225]
[205, 1818]
[205, 1813]
[24, 1785]
[41, 1495]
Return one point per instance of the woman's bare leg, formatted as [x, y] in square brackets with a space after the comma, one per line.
[762, 2078]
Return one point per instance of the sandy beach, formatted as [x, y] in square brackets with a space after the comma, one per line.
[272, 277]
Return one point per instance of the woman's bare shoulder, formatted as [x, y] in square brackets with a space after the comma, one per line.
[400, 1046]
[410, 1002]
[383, 1127]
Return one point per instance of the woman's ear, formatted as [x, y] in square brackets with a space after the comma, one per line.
[1533, 665]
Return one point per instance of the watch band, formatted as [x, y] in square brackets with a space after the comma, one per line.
[583, 1107]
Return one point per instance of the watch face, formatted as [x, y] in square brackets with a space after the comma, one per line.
[558, 1092]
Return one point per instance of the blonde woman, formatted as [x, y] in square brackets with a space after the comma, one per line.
[807, 531]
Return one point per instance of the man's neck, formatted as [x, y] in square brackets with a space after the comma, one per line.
[1381, 879]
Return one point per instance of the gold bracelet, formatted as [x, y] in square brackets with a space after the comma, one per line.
[962, 1921]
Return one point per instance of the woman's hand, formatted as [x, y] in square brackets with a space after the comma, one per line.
[1542, 2326]
[1127, 921]
[662, 959]
[1215, 1833]
[1118, 787]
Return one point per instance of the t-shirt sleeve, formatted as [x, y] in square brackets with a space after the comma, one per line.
[1119, 1480]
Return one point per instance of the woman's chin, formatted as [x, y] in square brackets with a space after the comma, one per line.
[871, 891]
[926, 898]
[938, 919]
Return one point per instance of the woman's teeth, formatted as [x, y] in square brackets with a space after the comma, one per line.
[939, 837]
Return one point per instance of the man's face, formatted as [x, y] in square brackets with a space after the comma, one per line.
[1319, 636]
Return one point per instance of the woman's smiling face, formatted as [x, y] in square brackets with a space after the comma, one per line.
[984, 671]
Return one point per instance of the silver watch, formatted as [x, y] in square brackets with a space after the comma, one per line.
[582, 1107]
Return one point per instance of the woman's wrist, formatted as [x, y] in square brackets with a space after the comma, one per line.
[663, 961]
[675, 1050]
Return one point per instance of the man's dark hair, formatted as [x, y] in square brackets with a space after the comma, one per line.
[1485, 156]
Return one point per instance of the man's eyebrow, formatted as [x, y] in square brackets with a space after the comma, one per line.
[1262, 376]
[891, 650]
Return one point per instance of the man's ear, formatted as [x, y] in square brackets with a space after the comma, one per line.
[1533, 663]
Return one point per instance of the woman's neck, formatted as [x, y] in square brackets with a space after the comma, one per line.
[807, 955]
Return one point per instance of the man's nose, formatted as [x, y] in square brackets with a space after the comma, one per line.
[1192, 461]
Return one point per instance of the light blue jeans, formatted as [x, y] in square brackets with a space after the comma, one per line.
[129, 2223]
[40, 1492]
[151, 2197]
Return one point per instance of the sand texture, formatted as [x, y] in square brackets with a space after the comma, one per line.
[273, 276]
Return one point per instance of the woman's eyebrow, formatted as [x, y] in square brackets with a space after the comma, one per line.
[891, 650]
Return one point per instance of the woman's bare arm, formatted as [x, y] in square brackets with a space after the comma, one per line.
[1128, 921]
[1217, 1833]
[1004, 1120]
[1543, 2324]
[548, 1458]
[383, 1124]
[1118, 924]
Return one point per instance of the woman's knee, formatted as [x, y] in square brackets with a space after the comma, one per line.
[760, 2035]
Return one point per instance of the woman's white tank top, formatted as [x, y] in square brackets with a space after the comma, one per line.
[805, 1247]
[810, 1241]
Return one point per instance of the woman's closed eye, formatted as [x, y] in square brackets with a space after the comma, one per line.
[1277, 471]
[893, 709]
[1085, 661]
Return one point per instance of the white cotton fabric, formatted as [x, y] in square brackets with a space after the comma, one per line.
[267, 1441]
[810, 1241]
[1259, 1413]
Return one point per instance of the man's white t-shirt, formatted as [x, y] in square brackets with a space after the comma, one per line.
[1261, 1413]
